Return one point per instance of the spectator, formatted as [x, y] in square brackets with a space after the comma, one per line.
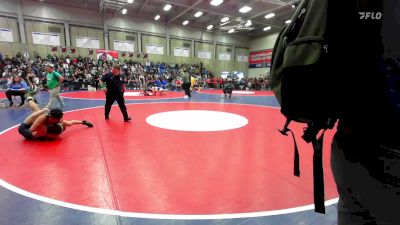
[17, 87]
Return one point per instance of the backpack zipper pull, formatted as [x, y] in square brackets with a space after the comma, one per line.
[325, 48]
[301, 13]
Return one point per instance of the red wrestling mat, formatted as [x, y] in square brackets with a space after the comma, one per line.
[129, 95]
[136, 167]
[238, 92]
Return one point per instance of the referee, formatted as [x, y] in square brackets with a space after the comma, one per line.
[115, 89]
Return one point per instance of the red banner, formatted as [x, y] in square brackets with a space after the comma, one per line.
[106, 54]
[260, 58]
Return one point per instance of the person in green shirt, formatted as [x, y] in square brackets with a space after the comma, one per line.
[54, 79]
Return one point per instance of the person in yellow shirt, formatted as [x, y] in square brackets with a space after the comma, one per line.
[192, 81]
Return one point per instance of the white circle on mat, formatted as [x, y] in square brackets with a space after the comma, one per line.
[244, 92]
[197, 120]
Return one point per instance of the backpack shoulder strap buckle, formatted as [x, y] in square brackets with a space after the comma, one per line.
[285, 128]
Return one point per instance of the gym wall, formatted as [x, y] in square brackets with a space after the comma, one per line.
[49, 18]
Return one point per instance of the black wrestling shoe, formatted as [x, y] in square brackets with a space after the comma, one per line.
[127, 119]
[30, 98]
[87, 123]
[30, 94]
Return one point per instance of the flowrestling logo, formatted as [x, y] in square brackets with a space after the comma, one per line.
[370, 15]
[370, 9]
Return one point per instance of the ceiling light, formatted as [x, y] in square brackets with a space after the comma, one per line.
[167, 7]
[209, 27]
[270, 15]
[130, 1]
[266, 28]
[124, 11]
[157, 17]
[245, 9]
[288, 21]
[248, 23]
[225, 19]
[198, 14]
[231, 30]
[216, 2]
[185, 22]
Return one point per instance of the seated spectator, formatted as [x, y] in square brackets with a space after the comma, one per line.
[17, 87]
[157, 85]
[163, 84]
[178, 84]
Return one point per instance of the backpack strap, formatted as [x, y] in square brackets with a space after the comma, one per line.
[296, 168]
[318, 174]
[310, 135]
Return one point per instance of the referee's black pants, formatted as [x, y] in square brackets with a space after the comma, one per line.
[110, 99]
[186, 88]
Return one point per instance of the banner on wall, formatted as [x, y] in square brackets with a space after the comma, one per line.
[260, 59]
[242, 58]
[41, 38]
[204, 55]
[155, 49]
[224, 56]
[6, 35]
[106, 54]
[87, 42]
[124, 46]
[182, 52]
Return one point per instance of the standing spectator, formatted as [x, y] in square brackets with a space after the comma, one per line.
[54, 79]
[17, 87]
[115, 89]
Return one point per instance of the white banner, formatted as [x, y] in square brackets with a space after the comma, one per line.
[183, 52]
[124, 46]
[46, 38]
[224, 56]
[204, 55]
[87, 42]
[6, 35]
[155, 49]
[243, 58]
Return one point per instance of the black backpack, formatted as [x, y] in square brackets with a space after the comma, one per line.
[299, 62]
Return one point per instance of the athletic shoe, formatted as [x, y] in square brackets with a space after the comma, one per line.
[127, 119]
[32, 98]
[30, 94]
[87, 123]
